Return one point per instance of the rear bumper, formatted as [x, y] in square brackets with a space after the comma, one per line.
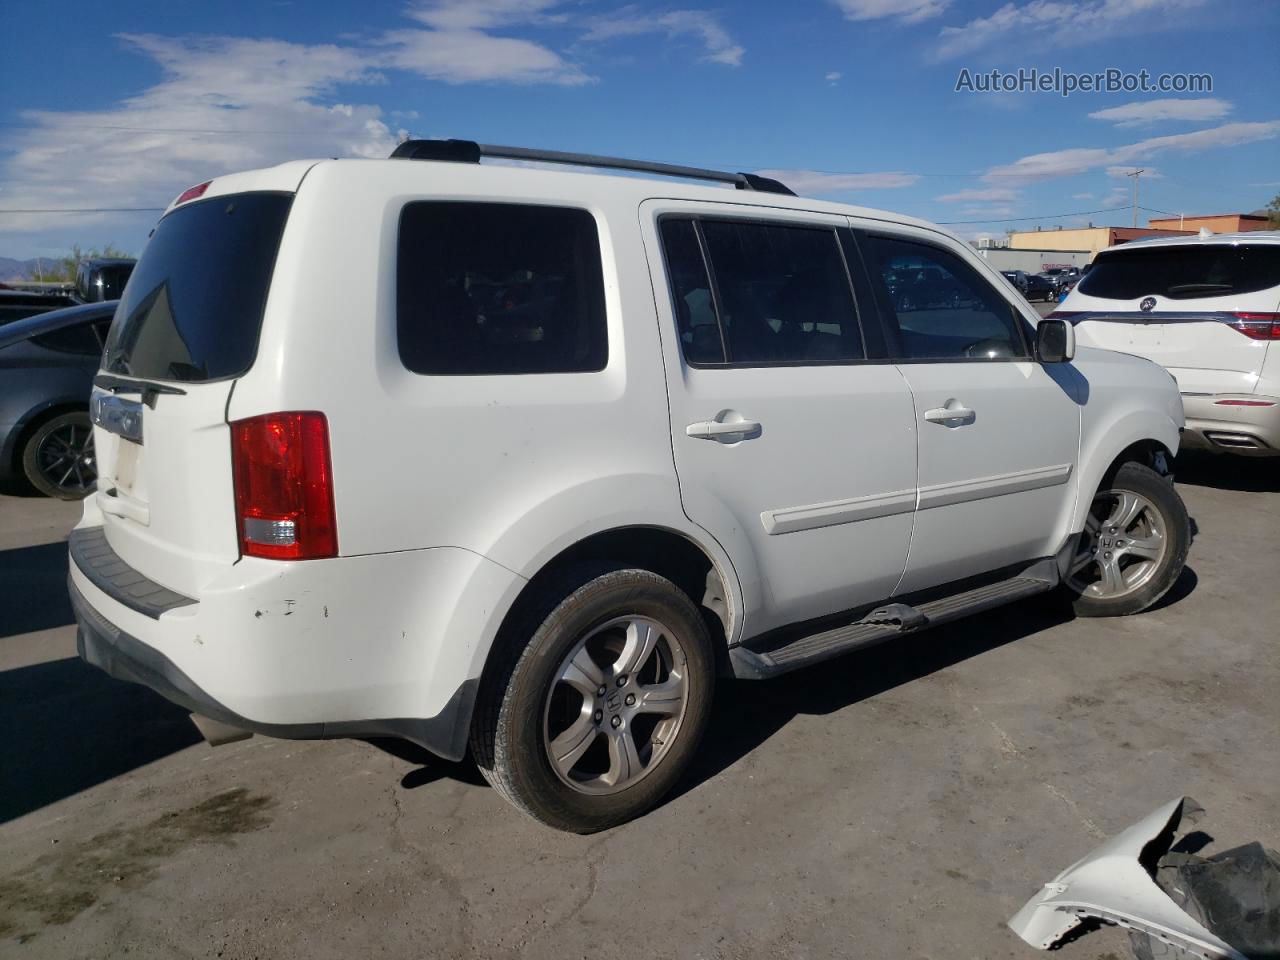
[383, 645]
[103, 645]
[1245, 430]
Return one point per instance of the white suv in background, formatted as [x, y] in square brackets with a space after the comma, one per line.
[1207, 308]
[521, 458]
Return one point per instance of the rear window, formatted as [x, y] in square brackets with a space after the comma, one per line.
[1183, 273]
[193, 307]
[499, 288]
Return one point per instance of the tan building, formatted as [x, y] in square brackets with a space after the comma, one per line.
[1091, 239]
[1218, 222]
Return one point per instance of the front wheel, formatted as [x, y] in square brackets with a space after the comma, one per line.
[591, 721]
[58, 457]
[1133, 547]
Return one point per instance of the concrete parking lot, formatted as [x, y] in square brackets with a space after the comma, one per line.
[898, 803]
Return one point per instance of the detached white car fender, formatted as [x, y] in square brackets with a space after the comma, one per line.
[1111, 884]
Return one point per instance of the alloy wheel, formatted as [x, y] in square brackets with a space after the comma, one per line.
[66, 458]
[1123, 542]
[616, 705]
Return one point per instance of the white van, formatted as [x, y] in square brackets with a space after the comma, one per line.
[522, 458]
[1207, 308]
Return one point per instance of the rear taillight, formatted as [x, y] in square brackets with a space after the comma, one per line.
[1256, 326]
[284, 486]
[192, 193]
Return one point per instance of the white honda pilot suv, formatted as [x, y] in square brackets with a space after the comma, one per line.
[1207, 307]
[522, 458]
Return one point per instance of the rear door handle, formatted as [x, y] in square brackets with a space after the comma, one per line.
[949, 414]
[723, 430]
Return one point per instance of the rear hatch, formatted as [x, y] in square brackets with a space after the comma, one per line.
[1204, 311]
[186, 328]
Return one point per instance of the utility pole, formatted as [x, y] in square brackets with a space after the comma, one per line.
[1135, 174]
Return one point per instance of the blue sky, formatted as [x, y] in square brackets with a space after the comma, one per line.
[123, 105]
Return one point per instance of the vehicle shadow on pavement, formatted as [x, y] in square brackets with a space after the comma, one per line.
[68, 726]
[748, 712]
[1226, 472]
[35, 589]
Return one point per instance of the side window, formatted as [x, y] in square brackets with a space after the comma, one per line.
[691, 293]
[498, 288]
[941, 307]
[780, 294]
[783, 293]
[80, 339]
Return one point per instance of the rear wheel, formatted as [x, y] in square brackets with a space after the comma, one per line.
[58, 457]
[591, 722]
[1133, 547]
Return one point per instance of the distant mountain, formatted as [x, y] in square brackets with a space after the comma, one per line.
[11, 269]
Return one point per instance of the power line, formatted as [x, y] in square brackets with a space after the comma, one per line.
[88, 210]
[1051, 216]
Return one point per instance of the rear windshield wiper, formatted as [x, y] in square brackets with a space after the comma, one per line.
[1197, 287]
[148, 388]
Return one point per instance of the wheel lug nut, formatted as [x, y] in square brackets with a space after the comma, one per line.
[599, 715]
[1106, 556]
[631, 700]
[622, 680]
[602, 691]
[616, 721]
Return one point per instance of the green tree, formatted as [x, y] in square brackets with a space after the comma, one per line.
[1273, 212]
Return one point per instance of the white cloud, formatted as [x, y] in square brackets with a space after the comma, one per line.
[988, 212]
[1064, 163]
[457, 47]
[1144, 113]
[811, 182]
[833, 77]
[1118, 197]
[223, 103]
[1087, 21]
[1082, 196]
[718, 45]
[906, 11]
[986, 193]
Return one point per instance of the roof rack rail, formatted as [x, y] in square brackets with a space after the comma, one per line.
[468, 151]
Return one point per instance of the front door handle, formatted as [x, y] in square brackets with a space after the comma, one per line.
[726, 431]
[954, 413]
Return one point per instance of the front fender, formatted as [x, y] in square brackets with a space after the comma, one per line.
[1106, 439]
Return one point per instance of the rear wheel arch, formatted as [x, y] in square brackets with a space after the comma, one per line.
[659, 550]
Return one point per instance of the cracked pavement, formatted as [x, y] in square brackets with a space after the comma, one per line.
[902, 802]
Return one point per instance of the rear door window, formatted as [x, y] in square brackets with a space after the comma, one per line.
[499, 288]
[192, 309]
[1183, 273]
[774, 293]
[938, 306]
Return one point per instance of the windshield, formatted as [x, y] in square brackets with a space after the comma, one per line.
[1183, 273]
[193, 307]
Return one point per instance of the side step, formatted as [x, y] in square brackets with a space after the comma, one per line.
[890, 620]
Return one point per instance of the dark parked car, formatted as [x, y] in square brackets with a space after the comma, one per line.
[102, 278]
[47, 365]
[1018, 278]
[1040, 288]
[19, 304]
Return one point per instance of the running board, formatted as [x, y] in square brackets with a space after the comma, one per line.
[890, 620]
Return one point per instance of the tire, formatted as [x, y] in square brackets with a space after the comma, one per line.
[525, 696]
[1134, 545]
[58, 458]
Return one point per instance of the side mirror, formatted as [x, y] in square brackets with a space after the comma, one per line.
[1055, 341]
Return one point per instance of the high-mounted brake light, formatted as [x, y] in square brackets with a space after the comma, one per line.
[1244, 403]
[1257, 326]
[1062, 314]
[284, 486]
[192, 192]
